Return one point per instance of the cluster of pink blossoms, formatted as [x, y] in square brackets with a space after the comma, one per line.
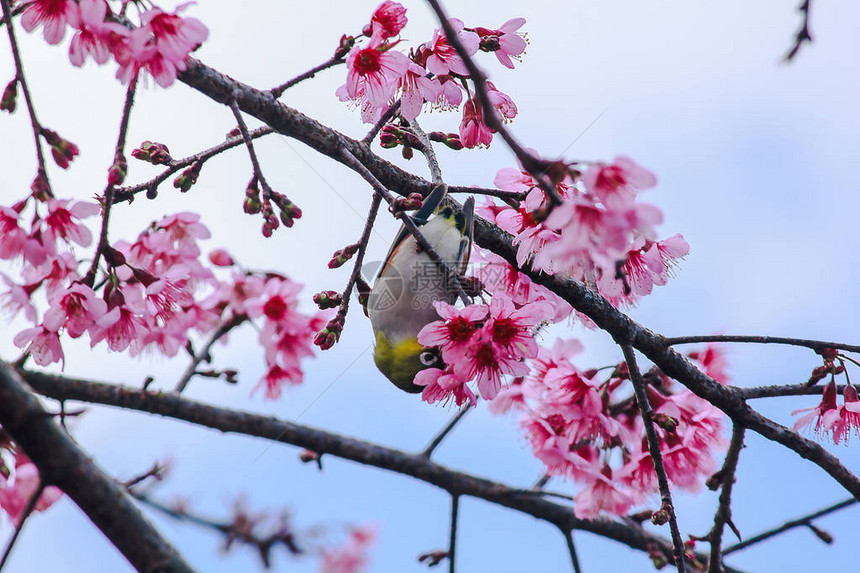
[831, 418]
[159, 45]
[155, 291]
[479, 343]
[601, 234]
[432, 73]
[587, 428]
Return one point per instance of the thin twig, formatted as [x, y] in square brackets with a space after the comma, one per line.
[126, 193]
[108, 195]
[813, 344]
[804, 521]
[429, 152]
[452, 546]
[204, 353]
[431, 447]
[31, 109]
[779, 390]
[723, 515]
[426, 247]
[530, 163]
[656, 457]
[380, 123]
[279, 91]
[803, 35]
[249, 143]
[571, 548]
[31, 505]
[359, 257]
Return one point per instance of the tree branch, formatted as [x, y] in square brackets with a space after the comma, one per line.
[724, 510]
[273, 429]
[63, 464]
[656, 457]
[804, 521]
[813, 344]
[331, 143]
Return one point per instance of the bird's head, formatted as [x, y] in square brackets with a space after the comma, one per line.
[400, 361]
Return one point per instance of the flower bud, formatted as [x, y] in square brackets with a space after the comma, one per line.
[342, 256]
[113, 257]
[824, 536]
[9, 101]
[188, 177]
[155, 153]
[117, 171]
[62, 151]
[666, 422]
[40, 187]
[490, 43]
[327, 299]
[660, 517]
[410, 203]
[433, 558]
[344, 46]
[221, 258]
[235, 132]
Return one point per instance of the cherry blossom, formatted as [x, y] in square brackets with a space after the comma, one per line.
[443, 58]
[93, 36]
[387, 20]
[52, 15]
[504, 42]
[372, 77]
[473, 131]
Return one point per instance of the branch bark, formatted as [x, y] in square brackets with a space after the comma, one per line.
[63, 464]
[414, 465]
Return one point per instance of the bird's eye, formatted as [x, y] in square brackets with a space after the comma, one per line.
[428, 358]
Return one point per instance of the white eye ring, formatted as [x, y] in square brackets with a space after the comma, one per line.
[428, 358]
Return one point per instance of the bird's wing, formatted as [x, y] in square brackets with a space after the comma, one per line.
[420, 217]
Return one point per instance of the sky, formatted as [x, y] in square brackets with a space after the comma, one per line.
[756, 163]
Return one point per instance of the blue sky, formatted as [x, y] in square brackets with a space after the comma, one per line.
[757, 168]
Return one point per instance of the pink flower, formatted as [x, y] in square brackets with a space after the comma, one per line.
[827, 408]
[20, 487]
[502, 102]
[17, 299]
[387, 20]
[94, 36]
[372, 78]
[278, 301]
[453, 333]
[16, 241]
[714, 362]
[443, 58]
[603, 493]
[500, 345]
[76, 308]
[619, 181]
[52, 15]
[443, 386]
[160, 45]
[416, 89]
[473, 130]
[42, 342]
[847, 418]
[505, 41]
[123, 323]
[60, 222]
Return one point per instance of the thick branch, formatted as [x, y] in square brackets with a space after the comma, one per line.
[327, 141]
[63, 464]
[414, 465]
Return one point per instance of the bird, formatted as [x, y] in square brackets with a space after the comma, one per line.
[400, 303]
